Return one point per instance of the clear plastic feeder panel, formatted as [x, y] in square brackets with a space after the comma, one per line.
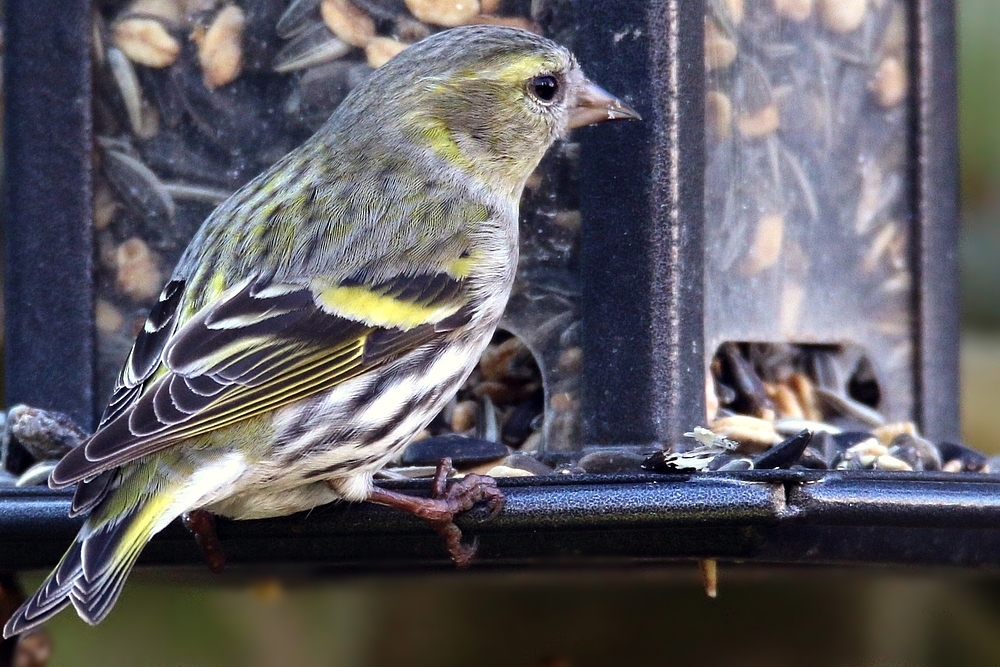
[808, 185]
[191, 102]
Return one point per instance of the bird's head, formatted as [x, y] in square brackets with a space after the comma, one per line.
[490, 100]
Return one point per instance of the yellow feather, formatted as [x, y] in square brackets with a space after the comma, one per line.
[142, 527]
[460, 268]
[437, 137]
[523, 68]
[216, 286]
[363, 305]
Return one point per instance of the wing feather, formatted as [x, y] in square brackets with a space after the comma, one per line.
[145, 357]
[257, 348]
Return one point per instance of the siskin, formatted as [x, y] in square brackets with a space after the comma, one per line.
[324, 314]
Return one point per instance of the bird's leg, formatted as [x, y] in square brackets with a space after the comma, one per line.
[445, 503]
[202, 524]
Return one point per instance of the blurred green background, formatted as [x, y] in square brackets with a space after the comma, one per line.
[766, 618]
[979, 136]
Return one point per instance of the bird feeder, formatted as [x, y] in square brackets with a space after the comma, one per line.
[782, 224]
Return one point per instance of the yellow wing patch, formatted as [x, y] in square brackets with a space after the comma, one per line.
[363, 305]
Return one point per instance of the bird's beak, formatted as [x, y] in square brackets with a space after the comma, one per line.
[596, 105]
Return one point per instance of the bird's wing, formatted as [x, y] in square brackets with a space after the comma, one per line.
[258, 347]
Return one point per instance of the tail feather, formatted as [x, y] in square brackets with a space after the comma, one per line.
[94, 602]
[91, 574]
[52, 596]
[99, 548]
[125, 514]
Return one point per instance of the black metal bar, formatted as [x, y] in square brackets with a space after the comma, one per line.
[938, 214]
[49, 253]
[642, 203]
[677, 223]
[781, 517]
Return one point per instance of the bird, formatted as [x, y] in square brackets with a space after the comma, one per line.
[324, 314]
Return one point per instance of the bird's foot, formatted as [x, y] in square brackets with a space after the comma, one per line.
[202, 524]
[445, 503]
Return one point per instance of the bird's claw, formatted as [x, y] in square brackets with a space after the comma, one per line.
[447, 502]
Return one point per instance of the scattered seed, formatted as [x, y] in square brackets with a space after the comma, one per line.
[146, 41]
[785, 454]
[308, 48]
[107, 318]
[765, 249]
[889, 432]
[788, 427]
[719, 113]
[889, 84]
[36, 474]
[759, 123]
[298, 16]
[734, 11]
[463, 417]
[846, 406]
[349, 23]
[168, 11]
[138, 274]
[711, 398]
[706, 438]
[447, 13]
[128, 86]
[186, 192]
[785, 400]
[568, 220]
[794, 10]
[381, 50]
[969, 459]
[611, 461]
[464, 452]
[507, 360]
[954, 465]
[869, 447]
[106, 207]
[562, 401]
[918, 453]
[571, 360]
[720, 51]
[506, 471]
[843, 16]
[220, 49]
[753, 434]
[694, 460]
[889, 462]
[805, 392]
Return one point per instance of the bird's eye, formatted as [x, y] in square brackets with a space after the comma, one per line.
[544, 87]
